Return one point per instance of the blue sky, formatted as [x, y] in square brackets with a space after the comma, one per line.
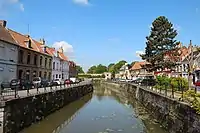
[100, 31]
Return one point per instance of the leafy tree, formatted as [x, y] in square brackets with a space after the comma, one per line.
[79, 69]
[92, 69]
[119, 65]
[97, 69]
[101, 69]
[161, 44]
[110, 66]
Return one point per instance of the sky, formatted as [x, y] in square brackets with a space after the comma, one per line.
[100, 31]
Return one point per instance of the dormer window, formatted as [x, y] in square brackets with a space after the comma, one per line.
[28, 43]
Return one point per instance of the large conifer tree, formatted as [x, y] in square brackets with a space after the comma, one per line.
[161, 42]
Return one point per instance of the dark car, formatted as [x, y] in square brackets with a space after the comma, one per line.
[5, 84]
[20, 84]
[45, 82]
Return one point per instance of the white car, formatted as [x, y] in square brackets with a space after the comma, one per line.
[58, 82]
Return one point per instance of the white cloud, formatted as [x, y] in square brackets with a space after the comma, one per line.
[138, 53]
[82, 2]
[67, 48]
[5, 5]
[21, 7]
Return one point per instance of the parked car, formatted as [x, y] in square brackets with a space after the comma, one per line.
[58, 81]
[5, 84]
[45, 83]
[37, 82]
[68, 81]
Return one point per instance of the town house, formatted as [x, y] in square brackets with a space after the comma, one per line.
[8, 54]
[33, 60]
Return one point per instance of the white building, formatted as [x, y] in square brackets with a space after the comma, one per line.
[8, 54]
[60, 64]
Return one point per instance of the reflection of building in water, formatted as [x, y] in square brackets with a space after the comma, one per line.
[70, 119]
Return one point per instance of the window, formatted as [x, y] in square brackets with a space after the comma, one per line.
[27, 74]
[21, 54]
[45, 75]
[34, 74]
[49, 75]
[56, 75]
[35, 59]
[40, 60]
[45, 64]
[40, 74]
[49, 63]
[28, 58]
[20, 74]
[59, 76]
[53, 65]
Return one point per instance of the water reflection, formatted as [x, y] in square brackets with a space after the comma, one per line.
[107, 111]
[53, 123]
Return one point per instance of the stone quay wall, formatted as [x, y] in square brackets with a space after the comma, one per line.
[22, 112]
[173, 115]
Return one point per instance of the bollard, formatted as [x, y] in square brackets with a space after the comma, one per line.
[37, 89]
[16, 91]
[27, 88]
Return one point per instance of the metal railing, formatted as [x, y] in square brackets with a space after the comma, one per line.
[8, 93]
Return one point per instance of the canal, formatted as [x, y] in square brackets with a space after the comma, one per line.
[104, 111]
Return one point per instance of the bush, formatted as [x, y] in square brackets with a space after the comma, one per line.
[178, 83]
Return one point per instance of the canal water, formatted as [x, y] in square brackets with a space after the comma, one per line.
[104, 111]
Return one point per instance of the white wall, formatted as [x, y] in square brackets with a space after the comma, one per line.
[57, 71]
[8, 61]
[65, 71]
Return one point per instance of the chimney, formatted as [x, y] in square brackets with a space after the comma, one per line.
[42, 41]
[3, 23]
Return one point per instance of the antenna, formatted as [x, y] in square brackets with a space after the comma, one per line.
[28, 30]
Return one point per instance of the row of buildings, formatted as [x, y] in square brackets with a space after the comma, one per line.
[189, 60]
[22, 57]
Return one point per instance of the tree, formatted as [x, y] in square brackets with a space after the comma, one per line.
[161, 44]
[110, 66]
[101, 69]
[119, 65]
[79, 69]
[92, 70]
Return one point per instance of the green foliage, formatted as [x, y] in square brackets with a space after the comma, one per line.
[178, 83]
[79, 69]
[194, 99]
[90, 76]
[99, 69]
[92, 69]
[160, 42]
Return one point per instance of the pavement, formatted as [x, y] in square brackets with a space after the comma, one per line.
[10, 94]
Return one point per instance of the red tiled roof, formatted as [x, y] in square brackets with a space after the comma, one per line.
[62, 56]
[21, 40]
[138, 65]
[5, 36]
[51, 51]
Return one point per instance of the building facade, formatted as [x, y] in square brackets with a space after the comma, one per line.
[33, 60]
[8, 54]
[72, 69]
